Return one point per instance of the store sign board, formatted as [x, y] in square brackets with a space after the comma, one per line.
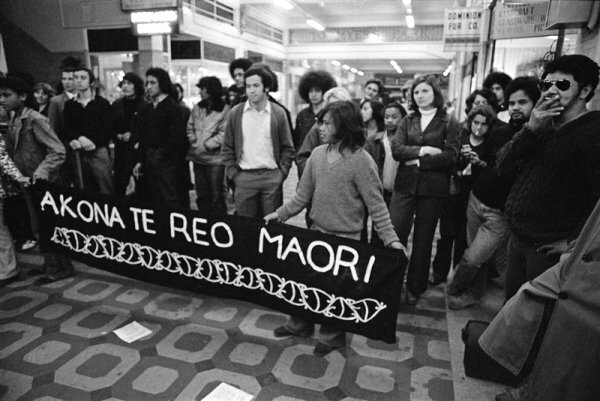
[511, 21]
[462, 29]
[135, 5]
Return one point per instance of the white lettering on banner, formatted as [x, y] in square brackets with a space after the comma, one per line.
[335, 260]
[219, 272]
[179, 223]
[86, 211]
[146, 220]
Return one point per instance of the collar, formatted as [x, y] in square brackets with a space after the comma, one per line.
[70, 95]
[248, 106]
[159, 99]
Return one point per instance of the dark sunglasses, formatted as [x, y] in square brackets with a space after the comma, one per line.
[561, 84]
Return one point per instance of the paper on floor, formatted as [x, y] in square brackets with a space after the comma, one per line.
[225, 392]
[132, 332]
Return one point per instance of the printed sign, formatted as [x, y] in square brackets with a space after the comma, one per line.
[520, 21]
[462, 29]
[135, 5]
[317, 277]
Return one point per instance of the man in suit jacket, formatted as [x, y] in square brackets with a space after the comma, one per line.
[257, 148]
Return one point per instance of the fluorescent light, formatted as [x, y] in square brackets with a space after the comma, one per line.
[409, 10]
[353, 70]
[154, 16]
[336, 63]
[286, 5]
[406, 3]
[360, 73]
[314, 24]
[346, 67]
[410, 21]
[154, 28]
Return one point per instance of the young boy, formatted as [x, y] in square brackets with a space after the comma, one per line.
[378, 146]
[36, 151]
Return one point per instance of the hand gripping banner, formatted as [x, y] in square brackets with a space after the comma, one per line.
[322, 278]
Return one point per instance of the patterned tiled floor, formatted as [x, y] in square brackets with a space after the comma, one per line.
[56, 343]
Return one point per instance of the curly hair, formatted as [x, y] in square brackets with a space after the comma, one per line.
[321, 80]
[584, 70]
[499, 78]
[529, 85]
[487, 94]
[242, 63]
[348, 123]
[484, 110]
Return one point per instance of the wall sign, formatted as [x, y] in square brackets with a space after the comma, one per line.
[462, 29]
[134, 5]
[511, 21]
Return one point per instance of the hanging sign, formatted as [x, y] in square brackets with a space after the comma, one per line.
[321, 278]
[462, 29]
[510, 21]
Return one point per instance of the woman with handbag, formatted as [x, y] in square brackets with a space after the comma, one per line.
[426, 145]
[205, 131]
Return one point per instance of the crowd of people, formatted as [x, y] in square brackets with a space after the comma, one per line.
[510, 187]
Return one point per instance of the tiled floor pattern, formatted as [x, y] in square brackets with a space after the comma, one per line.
[56, 343]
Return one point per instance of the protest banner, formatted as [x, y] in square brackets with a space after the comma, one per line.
[318, 277]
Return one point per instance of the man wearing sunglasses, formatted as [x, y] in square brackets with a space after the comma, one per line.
[558, 178]
[557, 156]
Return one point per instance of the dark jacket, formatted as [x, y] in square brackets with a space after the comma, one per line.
[432, 177]
[374, 146]
[304, 122]
[162, 128]
[558, 183]
[33, 145]
[92, 121]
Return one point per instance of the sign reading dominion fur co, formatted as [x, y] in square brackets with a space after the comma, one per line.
[318, 277]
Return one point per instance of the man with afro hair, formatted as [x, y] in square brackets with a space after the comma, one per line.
[237, 68]
[313, 85]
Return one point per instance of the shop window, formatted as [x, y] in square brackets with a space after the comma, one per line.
[213, 9]
[185, 49]
[112, 40]
[213, 51]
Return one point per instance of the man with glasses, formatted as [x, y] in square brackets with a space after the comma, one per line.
[558, 170]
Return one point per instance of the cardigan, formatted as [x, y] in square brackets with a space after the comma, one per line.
[283, 149]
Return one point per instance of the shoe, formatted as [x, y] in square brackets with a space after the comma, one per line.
[514, 394]
[51, 278]
[282, 331]
[411, 300]
[458, 302]
[322, 349]
[463, 277]
[9, 280]
[28, 244]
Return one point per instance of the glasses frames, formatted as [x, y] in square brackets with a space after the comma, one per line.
[561, 84]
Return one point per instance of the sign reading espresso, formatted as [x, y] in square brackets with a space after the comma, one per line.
[322, 278]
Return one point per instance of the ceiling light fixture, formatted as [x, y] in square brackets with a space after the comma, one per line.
[410, 21]
[314, 24]
[285, 4]
[396, 66]
[346, 67]
[336, 63]
[406, 3]
[353, 70]
[360, 73]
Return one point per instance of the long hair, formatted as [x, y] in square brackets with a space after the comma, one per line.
[44, 87]
[215, 91]
[163, 78]
[487, 112]
[377, 114]
[348, 123]
[438, 97]
[485, 93]
[138, 83]
[379, 83]
[322, 80]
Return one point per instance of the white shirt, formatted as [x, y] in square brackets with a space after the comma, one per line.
[426, 117]
[257, 148]
[159, 99]
[390, 166]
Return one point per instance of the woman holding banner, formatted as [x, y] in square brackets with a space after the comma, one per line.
[340, 179]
